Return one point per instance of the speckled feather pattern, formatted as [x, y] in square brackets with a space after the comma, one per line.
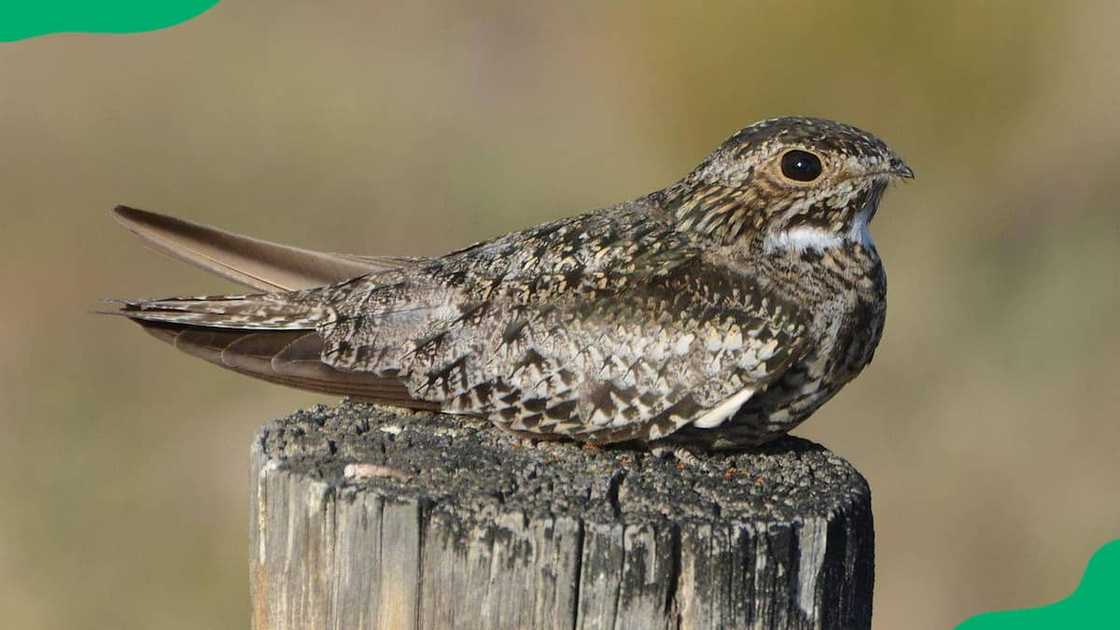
[736, 300]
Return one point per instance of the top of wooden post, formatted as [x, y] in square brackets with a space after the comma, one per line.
[369, 517]
[440, 457]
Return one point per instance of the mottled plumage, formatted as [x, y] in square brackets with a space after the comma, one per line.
[718, 312]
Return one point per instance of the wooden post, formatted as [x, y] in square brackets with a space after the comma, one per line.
[366, 518]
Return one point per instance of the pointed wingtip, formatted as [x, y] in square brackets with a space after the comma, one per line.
[245, 260]
[129, 216]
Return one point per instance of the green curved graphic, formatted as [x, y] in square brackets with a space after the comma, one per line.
[20, 19]
[1094, 604]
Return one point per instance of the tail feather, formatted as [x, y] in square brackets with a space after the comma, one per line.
[263, 311]
[284, 357]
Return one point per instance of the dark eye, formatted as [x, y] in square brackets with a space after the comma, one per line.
[801, 165]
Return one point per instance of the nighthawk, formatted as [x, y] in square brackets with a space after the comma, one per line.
[719, 312]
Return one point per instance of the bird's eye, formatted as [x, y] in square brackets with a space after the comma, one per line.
[801, 166]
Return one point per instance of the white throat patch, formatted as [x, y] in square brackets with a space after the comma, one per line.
[803, 237]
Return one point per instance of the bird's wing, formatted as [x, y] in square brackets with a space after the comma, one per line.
[252, 262]
[596, 347]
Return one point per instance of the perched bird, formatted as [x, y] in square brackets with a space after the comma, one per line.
[719, 312]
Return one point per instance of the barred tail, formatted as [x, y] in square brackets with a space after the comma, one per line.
[263, 336]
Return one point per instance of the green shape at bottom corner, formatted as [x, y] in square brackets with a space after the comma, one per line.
[21, 19]
[1095, 603]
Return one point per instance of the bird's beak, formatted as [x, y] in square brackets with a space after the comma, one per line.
[900, 169]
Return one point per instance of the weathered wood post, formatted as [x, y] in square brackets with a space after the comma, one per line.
[363, 518]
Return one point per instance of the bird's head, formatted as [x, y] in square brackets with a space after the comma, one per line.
[788, 183]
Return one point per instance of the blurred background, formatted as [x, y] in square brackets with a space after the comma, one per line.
[987, 426]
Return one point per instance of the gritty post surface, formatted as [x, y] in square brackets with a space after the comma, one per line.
[366, 517]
